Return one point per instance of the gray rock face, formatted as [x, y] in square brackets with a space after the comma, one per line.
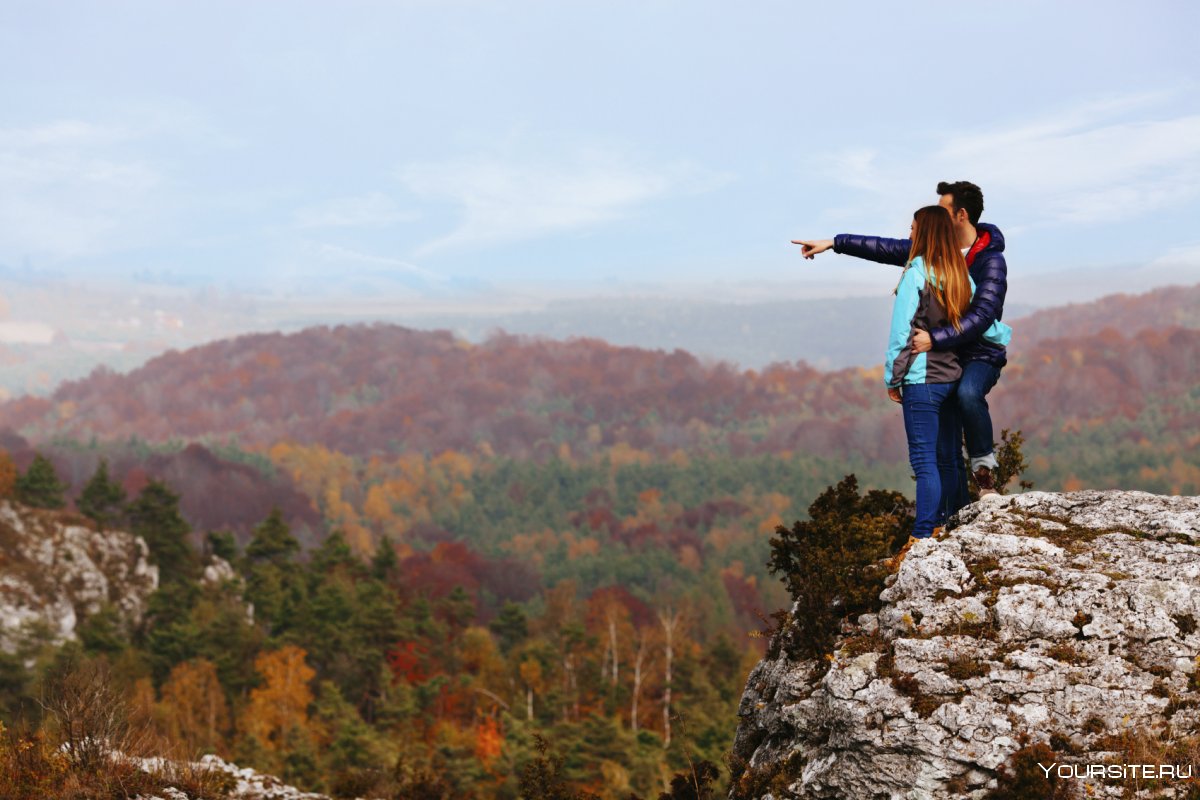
[248, 784]
[55, 571]
[1072, 619]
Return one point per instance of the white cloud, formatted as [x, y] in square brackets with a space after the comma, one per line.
[67, 192]
[505, 199]
[61, 133]
[372, 210]
[855, 167]
[1084, 165]
[346, 255]
[1184, 256]
[25, 333]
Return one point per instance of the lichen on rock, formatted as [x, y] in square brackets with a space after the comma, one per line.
[1066, 619]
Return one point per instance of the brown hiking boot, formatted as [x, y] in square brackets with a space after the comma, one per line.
[892, 564]
[985, 482]
[939, 533]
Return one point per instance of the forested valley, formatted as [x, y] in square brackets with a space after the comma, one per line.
[384, 550]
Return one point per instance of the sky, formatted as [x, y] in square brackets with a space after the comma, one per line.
[452, 148]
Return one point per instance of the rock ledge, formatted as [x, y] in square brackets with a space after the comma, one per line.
[1070, 619]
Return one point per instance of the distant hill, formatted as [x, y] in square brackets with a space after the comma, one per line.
[1083, 382]
[51, 331]
[750, 334]
[386, 389]
[1129, 314]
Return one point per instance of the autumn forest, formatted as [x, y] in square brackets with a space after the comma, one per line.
[452, 548]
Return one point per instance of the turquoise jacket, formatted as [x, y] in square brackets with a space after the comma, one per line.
[916, 309]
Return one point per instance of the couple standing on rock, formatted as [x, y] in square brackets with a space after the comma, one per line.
[947, 343]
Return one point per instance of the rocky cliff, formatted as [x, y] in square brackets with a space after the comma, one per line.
[56, 569]
[240, 783]
[1052, 629]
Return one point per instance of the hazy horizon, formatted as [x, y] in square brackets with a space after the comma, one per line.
[178, 174]
[55, 330]
[465, 150]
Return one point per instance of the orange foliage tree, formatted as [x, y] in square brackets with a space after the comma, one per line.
[8, 475]
[280, 707]
[194, 705]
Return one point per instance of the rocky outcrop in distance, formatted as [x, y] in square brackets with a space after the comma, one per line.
[244, 783]
[57, 569]
[1061, 629]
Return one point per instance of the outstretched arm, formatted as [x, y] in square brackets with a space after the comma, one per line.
[872, 248]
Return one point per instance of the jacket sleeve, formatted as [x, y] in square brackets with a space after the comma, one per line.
[999, 334]
[987, 304]
[899, 351]
[873, 248]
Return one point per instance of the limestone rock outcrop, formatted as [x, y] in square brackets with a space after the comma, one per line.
[244, 783]
[56, 570]
[1070, 621]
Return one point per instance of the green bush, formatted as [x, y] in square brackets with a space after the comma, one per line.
[39, 486]
[830, 563]
[1011, 461]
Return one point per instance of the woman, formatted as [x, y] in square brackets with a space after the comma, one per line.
[934, 290]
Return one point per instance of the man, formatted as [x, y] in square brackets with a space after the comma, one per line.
[983, 246]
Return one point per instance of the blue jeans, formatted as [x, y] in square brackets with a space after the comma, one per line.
[929, 409]
[968, 417]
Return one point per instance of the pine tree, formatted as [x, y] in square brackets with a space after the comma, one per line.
[155, 516]
[275, 585]
[273, 541]
[223, 545]
[334, 553]
[510, 625]
[102, 498]
[350, 740]
[39, 485]
[385, 560]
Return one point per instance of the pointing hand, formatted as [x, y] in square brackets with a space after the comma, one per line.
[810, 248]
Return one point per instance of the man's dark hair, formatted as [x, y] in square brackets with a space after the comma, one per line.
[964, 195]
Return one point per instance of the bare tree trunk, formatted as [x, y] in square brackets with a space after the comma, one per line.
[612, 642]
[604, 661]
[574, 690]
[212, 717]
[528, 703]
[670, 621]
[568, 685]
[637, 680]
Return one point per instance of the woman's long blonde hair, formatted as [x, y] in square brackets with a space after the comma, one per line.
[935, 241]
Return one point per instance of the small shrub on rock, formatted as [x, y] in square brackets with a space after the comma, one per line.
[1010, 461]
[831, 562]
[1020, 778]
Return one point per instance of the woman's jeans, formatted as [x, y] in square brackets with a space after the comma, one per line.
[933, 443]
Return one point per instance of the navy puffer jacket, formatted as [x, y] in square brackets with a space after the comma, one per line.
[988, 270]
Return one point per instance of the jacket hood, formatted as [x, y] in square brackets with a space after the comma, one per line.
[996, 245]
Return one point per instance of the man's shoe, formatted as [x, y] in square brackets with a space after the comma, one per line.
[939, 533]
[985, 482]
[893, 563]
